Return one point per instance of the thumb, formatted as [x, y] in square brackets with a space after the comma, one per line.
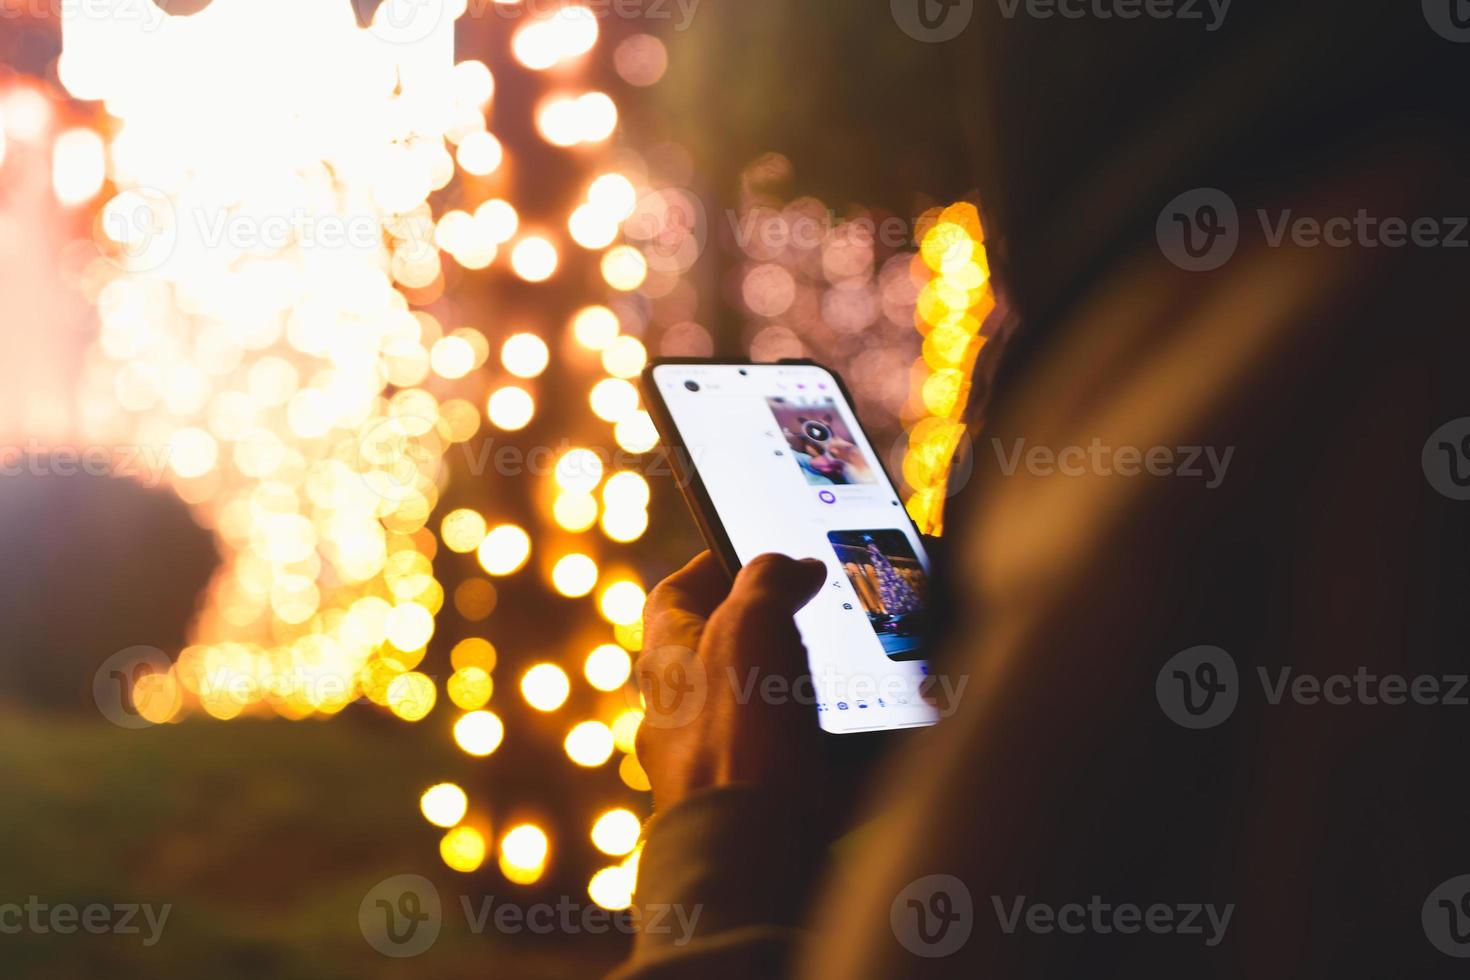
[776, 585]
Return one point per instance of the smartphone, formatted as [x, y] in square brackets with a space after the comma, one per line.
[771, 457]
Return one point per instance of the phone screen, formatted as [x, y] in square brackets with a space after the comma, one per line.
[788, 469]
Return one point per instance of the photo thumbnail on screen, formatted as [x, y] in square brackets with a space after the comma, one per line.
[821, 442]
[891, 583]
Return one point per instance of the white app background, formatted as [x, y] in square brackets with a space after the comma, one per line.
[771, 495]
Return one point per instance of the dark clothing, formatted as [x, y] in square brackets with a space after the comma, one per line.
[1315, 373]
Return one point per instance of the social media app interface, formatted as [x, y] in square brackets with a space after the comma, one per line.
[788, 470]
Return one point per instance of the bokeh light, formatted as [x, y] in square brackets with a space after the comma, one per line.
[545, 687]
[616, 832]
[479, 733]
[444, 804]
[589, 744]
[607, 668]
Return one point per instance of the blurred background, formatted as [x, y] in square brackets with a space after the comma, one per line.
[327, 499]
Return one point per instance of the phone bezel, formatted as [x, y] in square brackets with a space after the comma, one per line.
[701, 505]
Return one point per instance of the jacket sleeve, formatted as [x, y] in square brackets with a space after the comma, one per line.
[722, 884]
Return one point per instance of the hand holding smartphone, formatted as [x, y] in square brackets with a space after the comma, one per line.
[771, 458]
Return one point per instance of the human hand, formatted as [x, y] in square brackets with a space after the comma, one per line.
[708, 645]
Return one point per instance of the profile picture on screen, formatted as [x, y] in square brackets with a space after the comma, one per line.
[821, 442]
[891, 584]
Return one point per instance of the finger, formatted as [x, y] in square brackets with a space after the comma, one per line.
[698, 588]
[677, 608]
[775, 585]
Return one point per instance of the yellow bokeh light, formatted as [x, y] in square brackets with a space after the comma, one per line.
[479, 732]
[629, 635]
[463, 849]
[611, 888]
[624, 268]
[78, 166]
[625, 729]
[444, 805]
[409, 626]
[510, 408]
[636, 433]
[505, 550]
[622, 602]
[578, 470]
[626, 491]
[534, 259]
[480, 154]
[589, 744]
[470, 687]
[523, 853]
[630, 771]
[613, 399]
[525, 355]
[574, 575]
[607, 668]
[575, 511]
[411, 696]
[595, 327]
[452, 357]
[624, 524]
[545, 687]
[616, 832]
[498, 220]
[462, 530]
[624, 357]
[473, 651]
[613, 194]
